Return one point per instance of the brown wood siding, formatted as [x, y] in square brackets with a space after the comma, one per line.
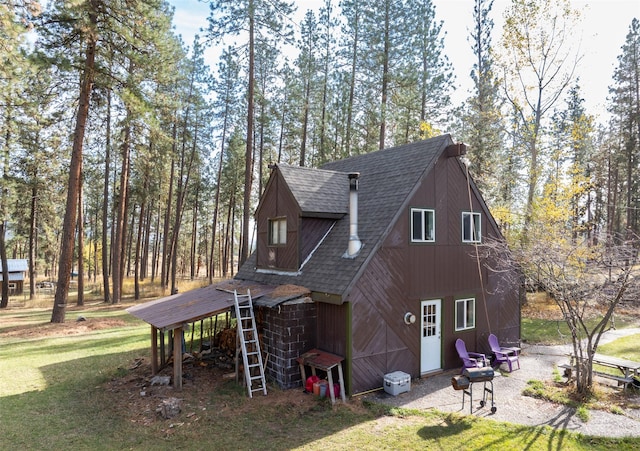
[312, 230]
[278, 202]
[382, 342]
[402, 274]
[331, 334]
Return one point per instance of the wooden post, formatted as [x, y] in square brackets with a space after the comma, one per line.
[154, 350]
[163, 357]
[177, 358]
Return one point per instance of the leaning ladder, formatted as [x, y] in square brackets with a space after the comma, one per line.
[250, 344]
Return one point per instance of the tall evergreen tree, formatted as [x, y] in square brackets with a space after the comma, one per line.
[327, 24]
[87, 27]
[352, 12]
[227, 90]
[307, 67]
[430, 66]
[625, 107]
[482, 117]
[261, 18]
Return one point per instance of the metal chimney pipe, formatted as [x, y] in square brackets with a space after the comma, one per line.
[354, 242]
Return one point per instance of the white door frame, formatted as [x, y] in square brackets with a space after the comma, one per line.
[430, 335]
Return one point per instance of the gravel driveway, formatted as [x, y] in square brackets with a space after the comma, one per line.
[536, 362]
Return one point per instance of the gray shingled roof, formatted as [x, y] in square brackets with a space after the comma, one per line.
[387, 178]
[317, 192]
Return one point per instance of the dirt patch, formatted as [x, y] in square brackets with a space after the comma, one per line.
[69, 328]
[209, 388]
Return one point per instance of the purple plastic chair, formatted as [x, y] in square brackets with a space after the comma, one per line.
[503, 355]
[470, 359]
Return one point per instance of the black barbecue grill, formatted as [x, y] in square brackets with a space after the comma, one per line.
[468, 378]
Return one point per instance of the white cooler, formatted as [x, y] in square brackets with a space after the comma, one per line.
[397, 382]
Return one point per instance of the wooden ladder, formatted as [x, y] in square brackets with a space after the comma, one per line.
[249, 344]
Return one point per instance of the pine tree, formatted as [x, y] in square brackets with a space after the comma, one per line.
[13, 18]
[227, 90]
[352, 11]
[307, 67]
[482, 117]
[260, 18]
[625, 108]
[430, 67]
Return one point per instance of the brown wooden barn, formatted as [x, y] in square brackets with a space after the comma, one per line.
[385, 244]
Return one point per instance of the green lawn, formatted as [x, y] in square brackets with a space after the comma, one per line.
[55, 394]
[548, 332]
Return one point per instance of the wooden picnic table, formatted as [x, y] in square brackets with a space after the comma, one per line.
[628, 368]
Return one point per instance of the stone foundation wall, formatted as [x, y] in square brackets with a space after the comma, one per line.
[288, 331]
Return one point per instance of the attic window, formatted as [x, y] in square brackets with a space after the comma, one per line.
[423, 228]
[277, 231]
[471, 227]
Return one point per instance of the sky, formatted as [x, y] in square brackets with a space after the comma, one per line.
[605, 24]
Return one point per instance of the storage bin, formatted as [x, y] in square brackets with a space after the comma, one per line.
[397, 382]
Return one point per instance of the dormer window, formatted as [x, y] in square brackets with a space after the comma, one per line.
[278, 231]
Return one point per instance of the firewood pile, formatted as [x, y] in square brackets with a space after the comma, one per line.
[226, 339]
[216, 357]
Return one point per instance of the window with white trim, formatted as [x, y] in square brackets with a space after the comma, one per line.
[277, 231]
[465, 313]
[423, 225]
[471, 227]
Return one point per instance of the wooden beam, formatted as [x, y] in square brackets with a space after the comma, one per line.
[154, 351]
[177, 358]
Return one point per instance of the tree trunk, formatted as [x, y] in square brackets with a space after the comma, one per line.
[4, 302]
[119, 242]
[156, 244]
[232, 234]
[129, 233]
[167, 218]
[248, 175]
[33, 221]
[385, 76]
[181, 193]
[105, 204]
[194, 237]
[216, 207]
[144, 262]
[75, 169]
[137, 259]
[4, 196]
[352, 83]
[95, 248]
[80, 300]
[305, 121]
[228, 237]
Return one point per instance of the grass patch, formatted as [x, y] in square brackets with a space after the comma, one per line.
[582, 412]
[542, 321]
[625, 347]
[549, 391]
[556, 332]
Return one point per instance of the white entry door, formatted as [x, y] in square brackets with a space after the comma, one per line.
[430, 346]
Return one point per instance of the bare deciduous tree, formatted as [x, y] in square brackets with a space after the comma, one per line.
[587, 282]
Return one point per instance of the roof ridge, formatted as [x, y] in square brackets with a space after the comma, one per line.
[289, 166]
